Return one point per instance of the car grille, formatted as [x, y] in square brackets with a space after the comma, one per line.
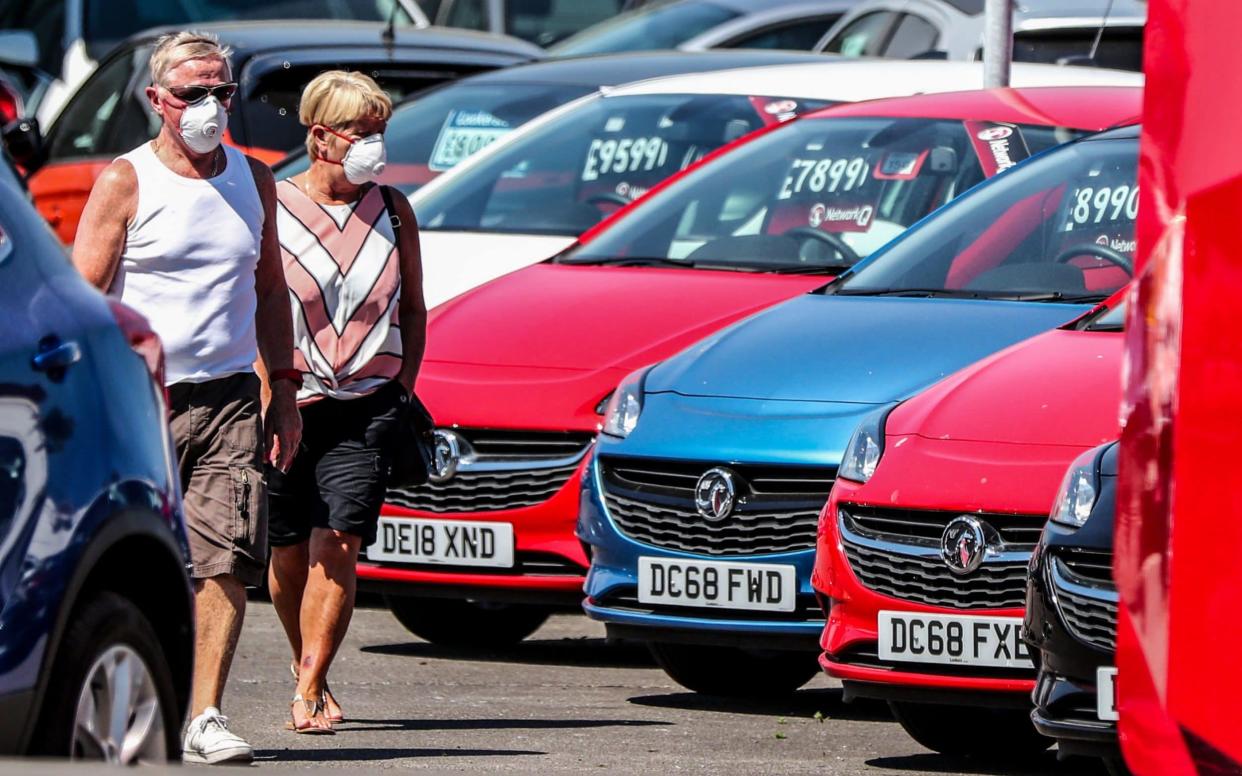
[652, 501]
[1018, 532]
[806, 609]
[504, 470]
[1092, 565]
[536, 564]
[1089, 612]
[927, 580]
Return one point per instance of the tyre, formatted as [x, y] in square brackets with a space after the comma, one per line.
[110, 656]
[459, 623]
[735, 672]
[968, 731]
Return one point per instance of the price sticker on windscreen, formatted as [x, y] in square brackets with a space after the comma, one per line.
[465, 132]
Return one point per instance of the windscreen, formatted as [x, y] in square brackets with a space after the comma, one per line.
[656, 26]
[431, 134]
[568, 174]
[1061, 227]
[114, 20]
[817, 195]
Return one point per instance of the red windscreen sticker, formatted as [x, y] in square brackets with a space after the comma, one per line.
[998, 146]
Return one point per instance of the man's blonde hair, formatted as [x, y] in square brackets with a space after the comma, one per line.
[336, 98]
[175, 48]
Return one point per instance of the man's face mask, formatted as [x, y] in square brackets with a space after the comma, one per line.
[204, 117]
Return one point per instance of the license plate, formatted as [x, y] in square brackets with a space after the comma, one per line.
[715, 584]
[964, 640]
[1106, 693]
[446, 542]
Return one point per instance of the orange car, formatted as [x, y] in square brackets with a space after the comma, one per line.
[110, 114]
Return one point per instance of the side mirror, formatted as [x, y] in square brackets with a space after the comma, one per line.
[19, 47]
[24, 142]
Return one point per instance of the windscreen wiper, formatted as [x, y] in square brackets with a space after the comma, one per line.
[805, 269]
[629, 261]
[950, 293]
[1049, 296]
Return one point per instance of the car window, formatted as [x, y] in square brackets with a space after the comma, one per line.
[545, 22]
[81, 129]
[469, 14]
[914, 35]
[567, 175]
[819, 194]
[46, 19]
[660, 26]
[1062, 224]
[863, 37]
[107, 22]
[433, 133]
[796, 35]
[1120, 47]
[269, 116]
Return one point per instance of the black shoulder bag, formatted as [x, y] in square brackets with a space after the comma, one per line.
[414, 443]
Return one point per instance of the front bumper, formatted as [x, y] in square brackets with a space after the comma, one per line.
[612, 592]
[549, 562]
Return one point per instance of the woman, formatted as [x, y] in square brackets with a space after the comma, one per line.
[359, 326]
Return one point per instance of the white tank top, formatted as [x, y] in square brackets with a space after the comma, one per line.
[189, 264]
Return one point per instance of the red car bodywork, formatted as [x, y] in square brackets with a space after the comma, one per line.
[1179, 494]
[992, 440]
[541, 348]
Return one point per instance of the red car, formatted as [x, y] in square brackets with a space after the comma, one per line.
[518, 372]
[924, 543]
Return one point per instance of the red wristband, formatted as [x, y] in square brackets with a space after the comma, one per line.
[292, 375]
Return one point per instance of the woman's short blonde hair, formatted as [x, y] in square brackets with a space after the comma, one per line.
[175, 48]
[336, 98]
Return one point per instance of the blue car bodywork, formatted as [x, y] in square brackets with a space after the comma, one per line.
[773, 400]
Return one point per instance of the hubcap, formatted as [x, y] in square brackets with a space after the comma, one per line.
[119, 717]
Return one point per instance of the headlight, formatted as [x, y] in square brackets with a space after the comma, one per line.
[1078, 492]
[626, 404]
[862, 454]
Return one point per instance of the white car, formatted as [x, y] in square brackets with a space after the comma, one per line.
[698, 25]
[66, 39]
[1047, 31]
[530, 194]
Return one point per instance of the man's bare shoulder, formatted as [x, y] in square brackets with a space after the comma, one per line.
[119, 180]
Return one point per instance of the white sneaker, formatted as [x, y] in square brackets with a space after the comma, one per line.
[209, 740]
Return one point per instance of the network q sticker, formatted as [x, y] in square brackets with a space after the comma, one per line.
[998, 146]
[849, 218]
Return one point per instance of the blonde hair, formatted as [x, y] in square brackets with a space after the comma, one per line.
[176, 48]
[336, 98]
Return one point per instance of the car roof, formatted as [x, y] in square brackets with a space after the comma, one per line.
[250, 38]
[1080, 107]
[1043, 14]
[612, 69]
[755, 6]
[851, 80]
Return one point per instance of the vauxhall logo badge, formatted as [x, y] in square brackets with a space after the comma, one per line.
[715, 494]
[963, 544]
[447, 455]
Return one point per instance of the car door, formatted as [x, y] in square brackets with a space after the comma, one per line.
[84, 140]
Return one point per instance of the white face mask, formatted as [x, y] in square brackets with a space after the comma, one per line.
[365, 160]
[202, 125]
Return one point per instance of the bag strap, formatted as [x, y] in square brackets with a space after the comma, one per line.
[386, 193]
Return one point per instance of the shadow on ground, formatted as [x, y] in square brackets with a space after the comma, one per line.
[938, 763]
[804, 703]
[357, 754]
[403, 725]
[583, 652]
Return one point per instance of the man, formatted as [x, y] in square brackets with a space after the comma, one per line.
[184, 230]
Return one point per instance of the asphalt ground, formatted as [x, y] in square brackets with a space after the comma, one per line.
[563, 701]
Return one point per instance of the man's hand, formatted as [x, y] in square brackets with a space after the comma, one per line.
[282, 426]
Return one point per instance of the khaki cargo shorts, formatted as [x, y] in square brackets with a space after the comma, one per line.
[217, 427]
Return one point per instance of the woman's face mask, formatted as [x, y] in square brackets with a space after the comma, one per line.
[366, 158]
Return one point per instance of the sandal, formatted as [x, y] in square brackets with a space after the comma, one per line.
[324, 697]
[313, 709]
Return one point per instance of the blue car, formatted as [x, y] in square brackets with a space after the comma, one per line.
[96, 630]
[701, 505]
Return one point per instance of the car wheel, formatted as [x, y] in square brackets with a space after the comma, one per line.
[459, 623]
[110, 660]
[966, 731]
[733, 671]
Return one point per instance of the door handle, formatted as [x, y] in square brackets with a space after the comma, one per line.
[56, 356]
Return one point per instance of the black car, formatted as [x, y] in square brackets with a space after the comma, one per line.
[96, 627]
[272, 62]
[1071, 612]
[434, 131]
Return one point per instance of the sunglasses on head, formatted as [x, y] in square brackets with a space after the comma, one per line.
[196, 93]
